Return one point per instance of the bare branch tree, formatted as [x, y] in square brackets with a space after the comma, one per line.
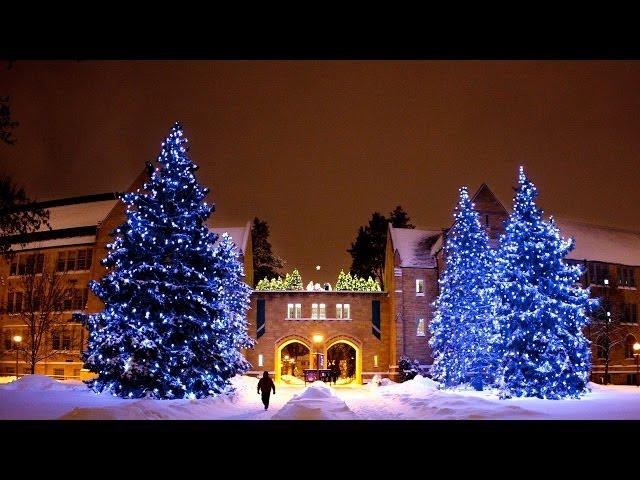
[38, 302]
[606, 332]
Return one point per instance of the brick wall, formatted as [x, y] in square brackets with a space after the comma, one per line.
[279, 329]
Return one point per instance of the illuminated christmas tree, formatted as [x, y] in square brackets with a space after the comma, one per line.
[465, 333]
[546, 355]
[174, 319]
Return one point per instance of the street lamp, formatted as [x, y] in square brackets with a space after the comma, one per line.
[16, 340]
[317, 339]
[636, 353]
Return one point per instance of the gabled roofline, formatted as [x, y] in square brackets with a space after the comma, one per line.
[60, 202]
[483, 184]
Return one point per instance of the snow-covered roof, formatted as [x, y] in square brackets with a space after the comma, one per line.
[600, 243]
[56, 242]
[239, 235]
[414, 246]
[79, 214]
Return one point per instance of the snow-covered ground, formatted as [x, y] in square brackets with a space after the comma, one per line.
[40, 397]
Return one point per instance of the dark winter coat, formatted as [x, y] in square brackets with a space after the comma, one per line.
[265, 385]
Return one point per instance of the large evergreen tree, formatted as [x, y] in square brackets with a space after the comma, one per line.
[367, 252]
[265, 263]
[546, 354]
[174, 317]
[465, 333]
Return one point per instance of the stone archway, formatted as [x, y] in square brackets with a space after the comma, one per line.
[353, 343]
[281, 344]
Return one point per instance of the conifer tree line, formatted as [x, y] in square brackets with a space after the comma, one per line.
[511, 318]
[345, 282]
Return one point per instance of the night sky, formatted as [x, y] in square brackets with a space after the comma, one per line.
[315, 147]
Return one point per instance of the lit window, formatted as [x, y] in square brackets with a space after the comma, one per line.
[291, 312]
[346, 311]
[338, 310]
[260, 360]
[420, 330]
[375, 360]
[323, 311]
[314, 310]
[298, 310]
[419, 286]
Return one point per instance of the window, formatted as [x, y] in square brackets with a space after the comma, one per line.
[76, 372]
[486, 220]
[598, 273]
[26, 264]
[323, 311]
[74, 260]
[294, 310]
[343, 310]
[58, 372]
[420, 328]
[260, 360]
[626, 277]
[8, 340]
[76, 299]
[631, 379]
[375, 360]
[61, 340]
[628, 346]
[314, 310]
[419, 286]
[15, 301]
[55, 340]
[629, 313]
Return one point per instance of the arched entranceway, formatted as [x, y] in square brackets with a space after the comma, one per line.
[347, 353]
[291, 358]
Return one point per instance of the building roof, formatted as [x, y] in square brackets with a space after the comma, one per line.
[600, 243]
[414, 246]
[239, 235]
[73, 221]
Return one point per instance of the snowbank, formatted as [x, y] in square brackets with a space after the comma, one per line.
[417, 386]
[38, 383]
[316, 402]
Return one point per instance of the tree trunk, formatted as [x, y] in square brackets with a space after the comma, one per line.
[606, 371]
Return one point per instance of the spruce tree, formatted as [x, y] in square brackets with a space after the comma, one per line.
[465, 334]
[174, 318]
[542, 312]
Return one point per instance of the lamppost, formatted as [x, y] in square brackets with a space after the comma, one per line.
[317, 339]
[16, 340]
[636, 353]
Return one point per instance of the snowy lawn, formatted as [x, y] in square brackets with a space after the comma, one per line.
[39, 397]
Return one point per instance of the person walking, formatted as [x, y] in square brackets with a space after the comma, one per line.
[265, 385]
